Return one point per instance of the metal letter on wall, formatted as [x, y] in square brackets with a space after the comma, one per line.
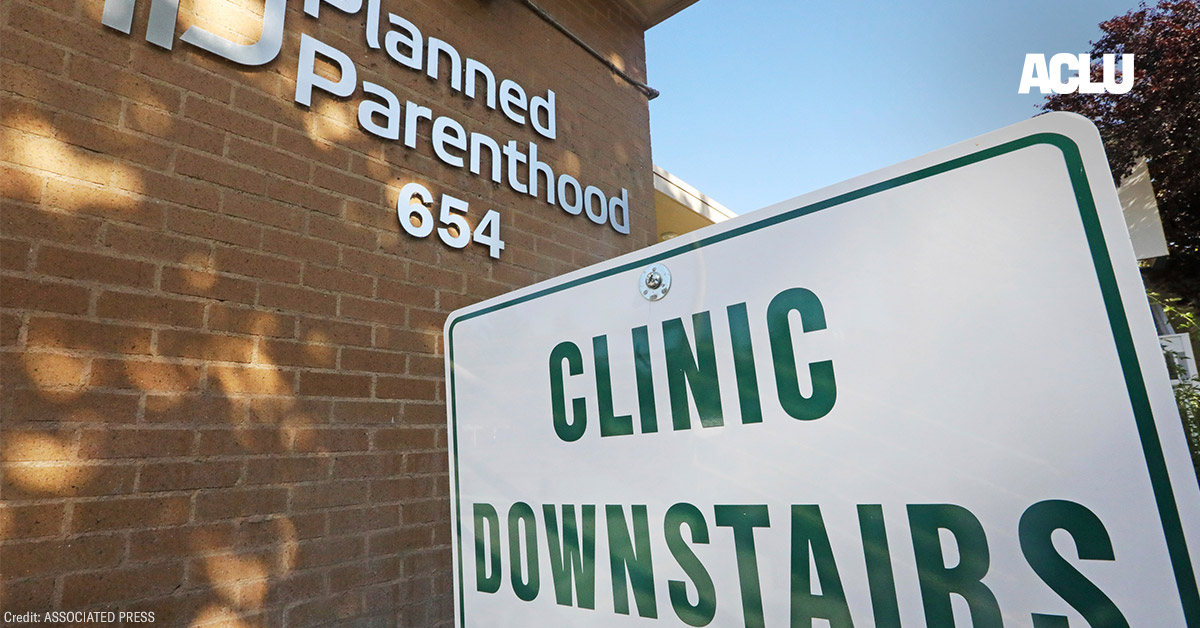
[160, 31]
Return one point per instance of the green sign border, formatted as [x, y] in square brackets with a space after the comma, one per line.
[1164, 496]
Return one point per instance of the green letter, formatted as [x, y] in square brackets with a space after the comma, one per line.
[743, 363]
[705, 608]
[645, 379]
[566, 350]
[695, 371]
[743, 520]
[566, 559]
[787, 379]
[879, 566]
[808, 529]
[623, 557]
[1091, 542]
[525, 588]
[966, 578]
[486, 513]
[610, 424]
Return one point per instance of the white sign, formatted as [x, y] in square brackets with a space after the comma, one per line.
[928, 396]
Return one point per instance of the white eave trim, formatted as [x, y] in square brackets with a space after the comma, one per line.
[690, 197]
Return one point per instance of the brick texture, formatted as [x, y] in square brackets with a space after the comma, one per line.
[222, 380]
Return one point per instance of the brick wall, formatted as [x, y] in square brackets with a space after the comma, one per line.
[221, 357]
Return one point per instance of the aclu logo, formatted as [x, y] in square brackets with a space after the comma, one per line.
[1049, 77]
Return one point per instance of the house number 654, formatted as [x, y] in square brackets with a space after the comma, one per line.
[413, 210]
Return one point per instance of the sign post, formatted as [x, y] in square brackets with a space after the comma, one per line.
[928, 396]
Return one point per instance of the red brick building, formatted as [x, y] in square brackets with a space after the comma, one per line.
[223, 398]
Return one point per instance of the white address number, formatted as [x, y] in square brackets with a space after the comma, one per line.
[412, 208]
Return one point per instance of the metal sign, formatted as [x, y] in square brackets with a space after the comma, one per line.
[928, 396]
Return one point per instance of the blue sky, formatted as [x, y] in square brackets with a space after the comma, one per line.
[763, 100]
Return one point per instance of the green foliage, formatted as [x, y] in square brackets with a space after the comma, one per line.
[1184, 317]
[1187, 397]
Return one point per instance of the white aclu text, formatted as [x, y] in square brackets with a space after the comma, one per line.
[1049, 77]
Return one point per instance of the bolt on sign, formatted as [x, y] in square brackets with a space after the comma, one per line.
[928, 396]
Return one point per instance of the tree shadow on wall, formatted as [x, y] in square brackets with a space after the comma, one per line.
[221, 366]
[220, 359]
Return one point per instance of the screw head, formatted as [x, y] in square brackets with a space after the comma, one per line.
[655, 282]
